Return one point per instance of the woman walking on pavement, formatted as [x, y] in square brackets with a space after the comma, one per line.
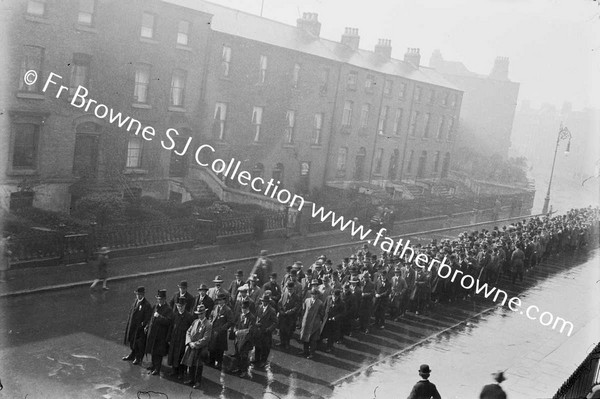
[102, 265]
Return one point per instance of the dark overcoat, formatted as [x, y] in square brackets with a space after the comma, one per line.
[312, 318]
[332, 326]
[139, 317]
[289, 306]
[177, 334]
[158, 331]
[208, 303]
[189, 301]
[221, 321]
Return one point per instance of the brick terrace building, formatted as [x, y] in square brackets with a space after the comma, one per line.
[144, 59]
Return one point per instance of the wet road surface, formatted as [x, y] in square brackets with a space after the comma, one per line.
[67, 344]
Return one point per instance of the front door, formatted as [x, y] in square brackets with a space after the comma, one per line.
[178, 164]
[85, 159]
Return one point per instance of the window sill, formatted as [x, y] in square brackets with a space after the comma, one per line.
[288, 145]
[141, 106]
[176, 109]
[86, 28]
[183, 47]
[22, 172]
[148, 40]
[135, 171]
[257, 143]
[316, 146]
[35, 18]
[31, 96]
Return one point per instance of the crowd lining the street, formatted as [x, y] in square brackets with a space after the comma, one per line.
[328, 302]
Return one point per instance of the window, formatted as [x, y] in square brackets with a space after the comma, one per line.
[453, 101]
[418, 92]
[450, 129]
[147, 25]
[142, 83]
[219, 120]
[402, 91]
[381, 127]
[295, 75]
[413, 124]
[86, 12]
[290, 120]
[347, 114]
[369, 83]
[25, 147]
[36, 7]
[351, 80]
[134, 152]
[398, 121]
[446, 99]
[277, 174]
[364, 116]
[32, 60]
[226, 60]
[427, 120]
[317, 129]
[178, 88]
[440, 131]
[411, 155]
[378, 161]
[183, 31]
[324, 80]
[341, 160]
[263, 69]
[80, 72]
[436, 163]
[257, 113]
[432, 96]
[387, 87]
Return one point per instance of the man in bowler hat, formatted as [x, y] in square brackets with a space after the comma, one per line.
[139, 317]
[494, 391]
[424, 389]
[204, 299]
[183, 293]
[158, 330]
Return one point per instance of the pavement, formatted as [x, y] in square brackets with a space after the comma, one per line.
[41, 279]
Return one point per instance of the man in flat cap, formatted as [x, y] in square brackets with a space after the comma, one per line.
[139, 317]
[221, 319]
[424, 389]
[158, 330]
[196, 350]
[183, 293]
[182, 320]
[203, 299]
[266, 323]
[494, 391]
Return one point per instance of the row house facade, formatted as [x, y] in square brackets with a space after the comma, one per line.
[144, 59]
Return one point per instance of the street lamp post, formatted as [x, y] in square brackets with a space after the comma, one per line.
[563, 134]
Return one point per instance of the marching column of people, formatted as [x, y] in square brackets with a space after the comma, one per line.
[328, 303]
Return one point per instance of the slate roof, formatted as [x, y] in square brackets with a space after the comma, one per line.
[253, 27]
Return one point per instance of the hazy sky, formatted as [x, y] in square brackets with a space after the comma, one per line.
[553, 45]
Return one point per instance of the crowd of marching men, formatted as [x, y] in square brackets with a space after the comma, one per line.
[326, 303]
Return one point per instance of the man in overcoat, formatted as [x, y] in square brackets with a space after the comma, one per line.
[221, 319]
[424, 389]
[244, 331]
[235, 285]
[273, 286]
[158, 330]
[331, 329]
[183, 293]
[217, 290]
[494, 391]
[203, 299]
[313, 312]
[139, 317]
[266, 323]
[289, 306]
[197, 340]
[182, 320]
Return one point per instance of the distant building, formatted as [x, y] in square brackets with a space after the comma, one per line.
[488, 106]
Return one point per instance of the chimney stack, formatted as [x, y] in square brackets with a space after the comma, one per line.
[309, 23]
[350, 38]
[436, 61]
[413, 57]
[500, 69]
[383, 48]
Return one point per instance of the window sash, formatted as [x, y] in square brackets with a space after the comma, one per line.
[177, 88]
[324, 80]
[32, 60]
[25, 146]
[450, 129]
[426, 130]
[382, 120]
[226, 60]
[37, 8]
[263, 69]
[318, 126]
[341, 161]
[220, 116]
[142, 83]
[418, 92]
[79, 76]
[364, 115]
[257, 121]
[347, 114]
[440, 131]
[147, 30]
[296, 75]
[290, 118]
[413, 124]
[134, 152]
[183, 32]
[402, 91]
[387, 87]
[410, 161]
[86, 12]
[351, 80]
[398, 121]
[378, 160]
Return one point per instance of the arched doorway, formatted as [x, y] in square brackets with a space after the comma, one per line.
[359, 165]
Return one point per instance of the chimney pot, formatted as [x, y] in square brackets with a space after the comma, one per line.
[350, 38]
[309, 23]
[413, 56]
[383, 48]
